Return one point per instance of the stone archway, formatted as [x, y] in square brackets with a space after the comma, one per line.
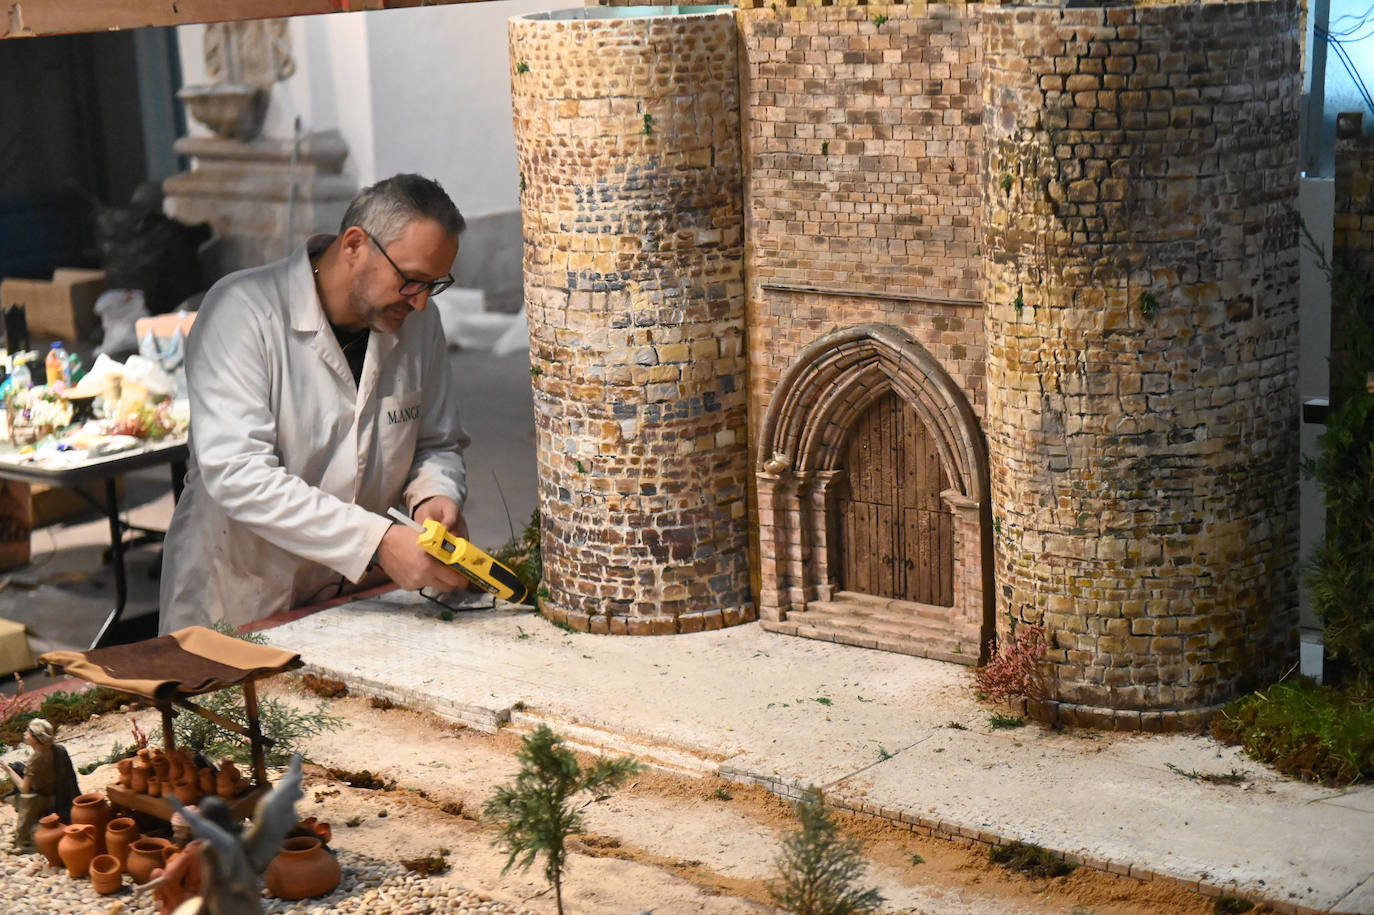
[803, 444]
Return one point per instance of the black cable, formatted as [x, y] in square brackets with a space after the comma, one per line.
[1348, 64]
[452, 609]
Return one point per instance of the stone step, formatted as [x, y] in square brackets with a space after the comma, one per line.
[919, 644]
[887, 627]
[848, 604]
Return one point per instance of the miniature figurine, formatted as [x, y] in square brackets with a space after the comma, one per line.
[45, 784]
[231, 862]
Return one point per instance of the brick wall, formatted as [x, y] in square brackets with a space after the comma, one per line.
[627, 135]
[1141, 255]
[864, 183]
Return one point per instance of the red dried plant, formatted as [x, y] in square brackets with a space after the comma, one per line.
[13, 705]
[140, 735]
[1014, 670]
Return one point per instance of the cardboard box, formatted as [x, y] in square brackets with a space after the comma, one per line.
[51, 504]
[63, 307]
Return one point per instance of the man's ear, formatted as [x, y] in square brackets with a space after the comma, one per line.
[353, 244]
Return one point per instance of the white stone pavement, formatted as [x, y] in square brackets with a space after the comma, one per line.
[893, 735]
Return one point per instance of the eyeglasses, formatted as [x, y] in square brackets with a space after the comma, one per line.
[412, 286]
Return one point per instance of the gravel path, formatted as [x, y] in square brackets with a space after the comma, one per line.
[31, 887]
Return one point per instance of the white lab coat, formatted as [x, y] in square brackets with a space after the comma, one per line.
[292, 467]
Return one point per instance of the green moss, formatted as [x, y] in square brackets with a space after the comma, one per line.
[1307, 731]
[1031, 860]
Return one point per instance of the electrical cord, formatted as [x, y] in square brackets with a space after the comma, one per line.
[452, 609]
[1338, 46]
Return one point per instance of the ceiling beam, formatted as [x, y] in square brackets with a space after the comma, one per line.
[34, 18]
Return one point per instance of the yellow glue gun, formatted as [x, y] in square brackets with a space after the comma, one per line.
[475, 564]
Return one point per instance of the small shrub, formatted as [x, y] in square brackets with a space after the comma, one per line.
[819, 867]
[1004, 722]
[537, 812]
[1028, 859]
[1315, 733]
[286, 727]
[59, 709]
[1014, 671]
[522, 556]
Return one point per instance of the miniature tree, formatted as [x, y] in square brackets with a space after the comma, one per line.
[819, 867]
[538, 811]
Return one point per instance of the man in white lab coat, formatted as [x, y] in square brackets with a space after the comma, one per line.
[320, 396]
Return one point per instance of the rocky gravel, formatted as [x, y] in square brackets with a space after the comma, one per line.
[31, 887]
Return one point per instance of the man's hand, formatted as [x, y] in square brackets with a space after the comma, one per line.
[411, 567]
[446, 512]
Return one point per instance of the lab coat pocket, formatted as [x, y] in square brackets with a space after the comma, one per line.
[400, 422]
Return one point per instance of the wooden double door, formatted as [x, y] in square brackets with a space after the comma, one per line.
[895, 534]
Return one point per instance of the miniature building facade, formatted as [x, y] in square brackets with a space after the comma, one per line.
[990, 310]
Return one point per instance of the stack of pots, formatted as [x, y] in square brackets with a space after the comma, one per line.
[99, 845]
[178, 773]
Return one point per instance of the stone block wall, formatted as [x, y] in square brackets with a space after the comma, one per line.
[1066, 237]
[1141, 283]
[628, 139]
[864, 144]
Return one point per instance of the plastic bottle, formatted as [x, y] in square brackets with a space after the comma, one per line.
[56, 363]
[21, 377]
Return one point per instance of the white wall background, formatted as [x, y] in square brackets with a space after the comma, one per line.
[422, 90]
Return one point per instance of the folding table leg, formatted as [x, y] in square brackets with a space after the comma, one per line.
[116, 561]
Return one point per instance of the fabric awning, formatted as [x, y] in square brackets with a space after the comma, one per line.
[187, 662]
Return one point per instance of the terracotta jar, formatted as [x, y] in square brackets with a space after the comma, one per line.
[46, 836]
[302, 869]
[187, 789]
[106, 874]
[126, 771]
[77, 848]
[161, 764]
[206, 777]
[228, 782]
[95, 811]
[154, 785]
[119, 835]
[138, 778]
[144, 856]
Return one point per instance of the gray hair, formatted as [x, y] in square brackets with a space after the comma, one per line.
[387, 207]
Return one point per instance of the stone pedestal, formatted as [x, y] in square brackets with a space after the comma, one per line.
[262, 206]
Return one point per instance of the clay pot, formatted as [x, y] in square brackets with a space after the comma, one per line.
[77, 848]
[126, 771]
[228, 782]
[95, 811]
[187, 789]
[106, 875]
[138, 778]
[119, 835]
[302, 869]
[154, 785]
[161, 765]
[46, 835]
[144, 856]
[145, 756]
[206, 777]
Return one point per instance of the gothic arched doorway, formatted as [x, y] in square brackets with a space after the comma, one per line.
[896, 535]
[874, 527]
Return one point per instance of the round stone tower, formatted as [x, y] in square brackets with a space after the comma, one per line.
[1141, 255]
[627, 134]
